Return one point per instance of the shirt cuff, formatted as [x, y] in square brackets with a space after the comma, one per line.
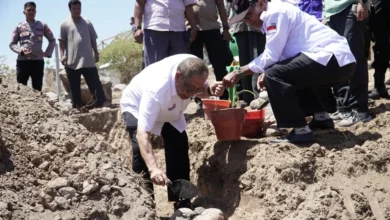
[254, 68]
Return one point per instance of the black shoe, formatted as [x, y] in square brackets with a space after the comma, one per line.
[183, 204]
[325, 124]
[378, 93]
[296, 138]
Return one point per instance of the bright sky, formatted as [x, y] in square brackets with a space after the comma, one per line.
[109, 17]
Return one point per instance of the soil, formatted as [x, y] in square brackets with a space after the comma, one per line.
[57, 167]
[52, 167]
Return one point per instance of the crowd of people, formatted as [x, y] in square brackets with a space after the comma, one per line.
[310, 56]
[78, 51]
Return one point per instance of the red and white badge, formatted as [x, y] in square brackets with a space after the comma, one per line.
[271, 28]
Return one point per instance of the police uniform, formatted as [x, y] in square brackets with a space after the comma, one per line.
[30, 36]
[301, 55]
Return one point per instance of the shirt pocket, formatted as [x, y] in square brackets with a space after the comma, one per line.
[39, 35]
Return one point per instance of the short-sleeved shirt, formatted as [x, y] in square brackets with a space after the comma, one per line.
[78, 36]
[166, 15]
[206, 15]
[152, 98]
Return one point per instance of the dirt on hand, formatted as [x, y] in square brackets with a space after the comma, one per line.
[54, 168]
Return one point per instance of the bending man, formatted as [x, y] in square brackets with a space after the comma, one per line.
[301, 54]
[154, 102]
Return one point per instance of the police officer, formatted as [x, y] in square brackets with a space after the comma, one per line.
[30, 34]
[301, 54]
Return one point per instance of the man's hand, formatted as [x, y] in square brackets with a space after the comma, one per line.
[231, 79]
[139, 36]
[324, 21]
[362, 11]
[260, 82]
[226, 35]
[43, 54]
[158, 177]
[63, 61]
[193, 33]
[217, 89]
[96, 57]
[26, 52]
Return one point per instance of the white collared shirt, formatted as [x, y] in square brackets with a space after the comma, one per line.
[152, 98]
[290, 31]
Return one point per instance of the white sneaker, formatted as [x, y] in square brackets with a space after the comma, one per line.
[337, 116]
[354, 118]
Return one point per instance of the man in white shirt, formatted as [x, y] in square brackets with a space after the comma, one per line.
[301, 55]
[154, 102]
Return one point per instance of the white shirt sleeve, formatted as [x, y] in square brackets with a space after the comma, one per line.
[149, 110]
[277, 28]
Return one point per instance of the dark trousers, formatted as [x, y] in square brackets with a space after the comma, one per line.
[291, 85]
[215, 45]
[176, 153]
[92, 79]
[161, 44]
[30, 68]
[352, 94]
[250, 46]
[379, 24]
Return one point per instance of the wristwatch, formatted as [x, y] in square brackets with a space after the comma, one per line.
[226, 27]
[139, 27]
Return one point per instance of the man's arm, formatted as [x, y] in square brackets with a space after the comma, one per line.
[222, 13]
[149, 109]
[14, 41]
[139, 12]
[277, 33]
[63, 40]
[52, 41]
[190, 15]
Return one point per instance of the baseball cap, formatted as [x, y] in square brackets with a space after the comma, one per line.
[241, 8]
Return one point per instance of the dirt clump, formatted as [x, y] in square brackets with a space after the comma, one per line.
[344, 175]
[53, 168]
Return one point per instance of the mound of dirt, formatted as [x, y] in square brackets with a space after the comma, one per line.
[345, 175]
[54, 168]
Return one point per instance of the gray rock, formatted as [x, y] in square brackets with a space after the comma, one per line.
[90, 187]
[3, 206]
[110, 176]
[119, 205]
[103, 181]
[67, 192]
[121, 182]
[107, 166]
[183, 214]
[199, 210]
[39, 208]
[210, 214]
[62, 202]
[105, 189]
[58, 183]
[44, 166]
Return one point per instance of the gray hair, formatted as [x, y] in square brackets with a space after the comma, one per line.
[193, 66]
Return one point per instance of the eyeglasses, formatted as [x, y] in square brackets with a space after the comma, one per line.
[191, 89]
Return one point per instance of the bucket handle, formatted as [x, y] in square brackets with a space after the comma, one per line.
[242, 91]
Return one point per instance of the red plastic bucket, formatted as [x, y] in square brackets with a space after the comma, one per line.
[211, 105]
[253, 124]
[228, 123]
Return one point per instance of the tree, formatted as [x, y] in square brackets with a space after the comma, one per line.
[124, 56]
[4, 68]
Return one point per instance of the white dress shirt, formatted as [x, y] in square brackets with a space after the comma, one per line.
[152, 98]
[290, 31]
